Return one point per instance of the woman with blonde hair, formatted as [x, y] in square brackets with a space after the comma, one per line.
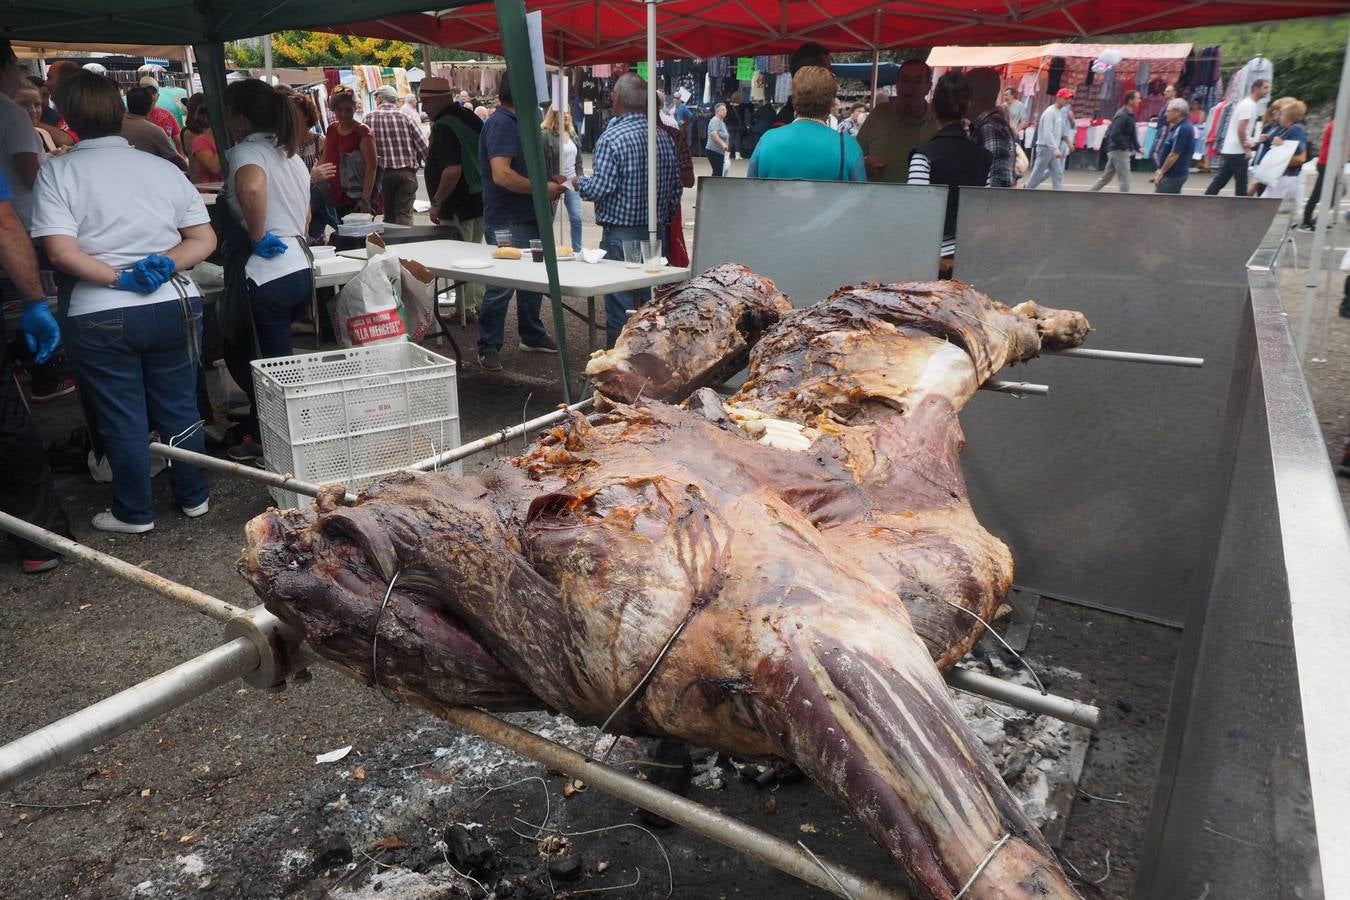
[1286, 126]
[564, 151]
[809, 148]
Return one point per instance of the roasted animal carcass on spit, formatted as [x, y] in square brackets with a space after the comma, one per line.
[782, 573]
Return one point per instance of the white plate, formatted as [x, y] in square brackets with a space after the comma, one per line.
[470, 264]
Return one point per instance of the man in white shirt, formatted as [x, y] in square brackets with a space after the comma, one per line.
[1053, 143]
[20, 147]
[1238, 141]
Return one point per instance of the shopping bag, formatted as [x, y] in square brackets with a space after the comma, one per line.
[367, 309]
[417, 285]
[1022, 165]
[1271, 167]
[726, 163]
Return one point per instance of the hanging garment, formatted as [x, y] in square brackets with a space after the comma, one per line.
[1141, 77]
[1056, 74]
[782, 89]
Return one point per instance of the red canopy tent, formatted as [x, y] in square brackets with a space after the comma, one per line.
[579, 32]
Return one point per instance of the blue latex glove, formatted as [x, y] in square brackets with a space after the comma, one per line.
[40, 331]
[269, 246]
[147, 275]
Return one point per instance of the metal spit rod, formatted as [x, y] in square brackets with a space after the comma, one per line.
[497, 437]
[1022, 697]
[1025, 388]
[67, 738]
[240, 470]
[179, 593]
[1154, 359]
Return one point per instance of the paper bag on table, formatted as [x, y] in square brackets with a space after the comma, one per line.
[368, 309]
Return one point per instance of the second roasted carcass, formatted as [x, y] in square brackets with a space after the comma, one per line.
[783, 573]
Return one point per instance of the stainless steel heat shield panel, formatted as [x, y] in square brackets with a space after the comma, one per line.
[1253, 796]
[812, 237]
[1110, 490]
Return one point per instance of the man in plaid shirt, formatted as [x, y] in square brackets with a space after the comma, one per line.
[400, 148]
[989, 127]
[618, 187]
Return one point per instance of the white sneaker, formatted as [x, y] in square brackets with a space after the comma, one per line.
[106, 521]
[200, 509]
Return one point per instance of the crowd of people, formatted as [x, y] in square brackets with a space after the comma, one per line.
[97, 186]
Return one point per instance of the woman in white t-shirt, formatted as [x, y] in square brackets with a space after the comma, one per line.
[268, 193]
[120, 225]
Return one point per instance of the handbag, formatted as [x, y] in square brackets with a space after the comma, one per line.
[1272, 165]
[1022, 165]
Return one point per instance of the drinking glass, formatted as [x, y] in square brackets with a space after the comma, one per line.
[537, 250]
[652, 260]
[503, 238]
[632, 254]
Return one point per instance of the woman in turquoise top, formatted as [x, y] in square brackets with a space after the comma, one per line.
[809, 148]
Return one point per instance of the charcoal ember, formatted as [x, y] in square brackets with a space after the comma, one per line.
[468, 849]
[335, 851]
[566, 868]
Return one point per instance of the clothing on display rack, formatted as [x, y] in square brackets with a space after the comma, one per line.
[1054, 75]
[782, 89]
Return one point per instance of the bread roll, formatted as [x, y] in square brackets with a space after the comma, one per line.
[507, 253]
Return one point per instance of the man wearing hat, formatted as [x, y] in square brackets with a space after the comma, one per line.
[454, 180]
[400, 149]
[1054, 142]
[160, 116]
[172, 100]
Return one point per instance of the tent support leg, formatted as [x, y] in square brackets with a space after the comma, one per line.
[1326, 207]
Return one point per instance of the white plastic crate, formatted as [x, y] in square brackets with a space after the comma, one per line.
[354, 415]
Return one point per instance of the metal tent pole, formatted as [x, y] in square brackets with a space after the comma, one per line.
[267, 58]
[67, 738]
[516, 47]
[652, 114]
[1326, 204]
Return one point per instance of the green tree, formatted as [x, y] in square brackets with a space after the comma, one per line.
[318, 48]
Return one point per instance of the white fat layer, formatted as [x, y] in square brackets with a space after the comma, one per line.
[948, 372]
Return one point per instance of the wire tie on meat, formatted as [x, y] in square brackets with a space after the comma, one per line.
[375, 632]
[642, 682]
[1103, 799]
[990, 629]
[826, 869]
[979, 321]
[988, 858]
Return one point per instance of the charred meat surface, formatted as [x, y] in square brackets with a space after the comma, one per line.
[785, 572]
[695, 334]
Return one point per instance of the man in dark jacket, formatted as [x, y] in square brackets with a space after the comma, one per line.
[1122, 141]
[454, 180]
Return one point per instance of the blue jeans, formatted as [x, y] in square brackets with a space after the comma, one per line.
[572, 200]
[492, 314]
[617, 305]
[139, 366]
[322, 215]
[274, 306]
[1170, 184]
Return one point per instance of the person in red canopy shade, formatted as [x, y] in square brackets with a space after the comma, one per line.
[1310, 208]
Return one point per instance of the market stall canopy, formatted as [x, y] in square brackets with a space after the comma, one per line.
[970, 57]
[580, 32]
[57, 49]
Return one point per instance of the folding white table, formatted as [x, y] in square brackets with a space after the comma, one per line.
[461, 261]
